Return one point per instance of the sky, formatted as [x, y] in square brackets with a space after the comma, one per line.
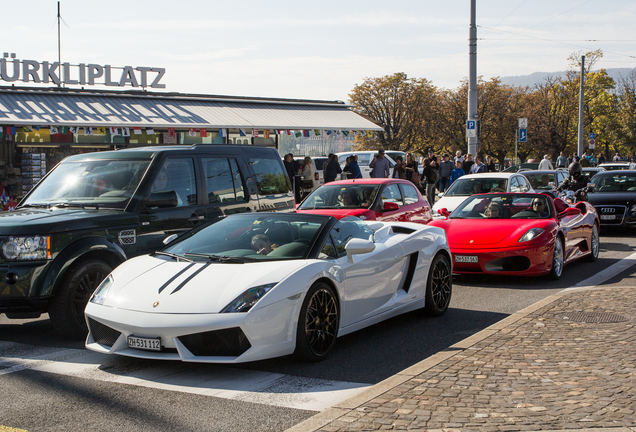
[318, 49]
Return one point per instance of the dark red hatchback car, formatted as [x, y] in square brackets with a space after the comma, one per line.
[381, 199]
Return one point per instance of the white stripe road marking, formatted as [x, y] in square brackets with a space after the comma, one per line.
[605, 275]
[203, 379]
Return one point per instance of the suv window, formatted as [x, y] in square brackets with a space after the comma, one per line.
[270, 178]
[177, 174]
[223, 180]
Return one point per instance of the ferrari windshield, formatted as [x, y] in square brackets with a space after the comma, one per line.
[617, 182]
[475, 185]
[253, 237]
[99, 183]
[504, 206]
[358, 195]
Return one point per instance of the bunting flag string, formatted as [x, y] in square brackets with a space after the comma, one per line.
[100, 131]
[27, 128]
[137, 130]
[192, 132]
[113, 131]
[255, 133]
[125, 132]
[203, 133]
[223, 133]
[53, 130]
[242, 132]
[266, 133]
[73, 129]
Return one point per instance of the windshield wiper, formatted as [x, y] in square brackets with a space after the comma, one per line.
[35, 206]
[223, 259]
[66, 205]
[171, 255]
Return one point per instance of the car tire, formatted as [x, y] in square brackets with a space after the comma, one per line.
[439, 286]
[557, 260]
[67, 306]
[318, 324]
[595, 246]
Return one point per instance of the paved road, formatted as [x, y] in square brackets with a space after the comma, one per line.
[53, 385]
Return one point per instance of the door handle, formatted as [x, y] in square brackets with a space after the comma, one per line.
[195, 218]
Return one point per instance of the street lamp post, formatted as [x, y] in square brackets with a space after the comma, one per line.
[473, 139]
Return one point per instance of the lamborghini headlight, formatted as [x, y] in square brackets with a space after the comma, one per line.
[26, 248]
[249, 298]
[531, 234]
[101, 292]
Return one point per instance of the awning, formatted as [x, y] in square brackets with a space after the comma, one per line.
[89, 108]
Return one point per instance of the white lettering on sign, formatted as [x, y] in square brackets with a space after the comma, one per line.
[13, 69]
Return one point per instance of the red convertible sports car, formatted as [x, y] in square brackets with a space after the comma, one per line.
[520, 234]
[381, 199]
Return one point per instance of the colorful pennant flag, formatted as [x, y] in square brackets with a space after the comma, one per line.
[27, 128]
[288, 132]
[150, 131]
[137, 130]
[1, 132]
[242, 132]
[266, 133]
[370, 134]
[203, 133]
[64, 130]
[125, 132]
[192, 132]
[298, 134]
[255, 133]
[12, 131]
[53, 130]
[223, 132]
[100, 131]
[88, 131]
[306, 132]
[113, 131]
[278, 132]
[345, 133]
[73, 129]
[317, 132]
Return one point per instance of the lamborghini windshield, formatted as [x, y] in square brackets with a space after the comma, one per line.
[504, 206]
[252, 237]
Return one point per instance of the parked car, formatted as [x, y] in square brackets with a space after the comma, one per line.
[369, 199]
[613, 166]
[545, 179]
[614, 197]
[520, 234]
[590, 172]
[325, 278]
[93, 211]
[364, 159]
[472, 184]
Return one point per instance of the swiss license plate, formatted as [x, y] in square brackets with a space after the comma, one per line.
[152, 344]
[466, 258]
[608, 217]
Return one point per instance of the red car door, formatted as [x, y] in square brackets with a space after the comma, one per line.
[416, 209]
[391, 194]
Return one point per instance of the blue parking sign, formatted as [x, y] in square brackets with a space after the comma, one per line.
[523, 135]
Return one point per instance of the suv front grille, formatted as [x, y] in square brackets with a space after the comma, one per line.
[103, 334]
[230, 342]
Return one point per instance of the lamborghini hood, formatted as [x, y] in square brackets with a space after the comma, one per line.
[163, 285]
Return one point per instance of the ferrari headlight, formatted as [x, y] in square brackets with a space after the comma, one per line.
[249, 298]
[101, 292]
[531, 234]
[26, 248]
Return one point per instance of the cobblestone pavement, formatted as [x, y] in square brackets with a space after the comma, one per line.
[541, 369]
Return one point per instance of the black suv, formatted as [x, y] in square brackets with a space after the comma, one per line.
[93, 211]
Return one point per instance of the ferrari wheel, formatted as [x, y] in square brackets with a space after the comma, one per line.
[439, 286]
[557, 260]
[317, 324]
[595, 245]
[67, 306]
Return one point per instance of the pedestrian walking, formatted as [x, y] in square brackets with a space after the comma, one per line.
[380, 166]
[545, 163]
[445, 170]
[431, 177]
[399, 170]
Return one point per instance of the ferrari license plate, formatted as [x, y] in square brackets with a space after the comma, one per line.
[152, 344]
[466, 258]
[608, 217]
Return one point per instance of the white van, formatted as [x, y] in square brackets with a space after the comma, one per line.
[364, 159]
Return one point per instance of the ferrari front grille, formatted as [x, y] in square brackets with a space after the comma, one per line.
[230, 342]
[102, 334]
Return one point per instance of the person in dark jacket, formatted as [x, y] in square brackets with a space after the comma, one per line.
[354, 168]
[332, 169]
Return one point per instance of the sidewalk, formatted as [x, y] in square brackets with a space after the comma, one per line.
[543, 368]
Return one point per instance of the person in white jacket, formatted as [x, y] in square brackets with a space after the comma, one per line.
[545, 164]
[309, 173]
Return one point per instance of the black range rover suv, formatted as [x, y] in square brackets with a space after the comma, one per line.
[93, 211]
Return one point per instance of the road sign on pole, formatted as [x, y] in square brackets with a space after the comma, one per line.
[523, 135]
[523, 123]
[592, 135]
[471, 128]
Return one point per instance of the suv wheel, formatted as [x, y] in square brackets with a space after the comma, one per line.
[67, 306]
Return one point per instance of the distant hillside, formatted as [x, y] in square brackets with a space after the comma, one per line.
[539, 77]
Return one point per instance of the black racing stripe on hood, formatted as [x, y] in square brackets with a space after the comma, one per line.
[203, 267]
[164, 286]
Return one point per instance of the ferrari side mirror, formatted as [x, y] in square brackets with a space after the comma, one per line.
[444, 212]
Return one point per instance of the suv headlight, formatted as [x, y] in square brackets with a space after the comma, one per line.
[27, 248]
[249, 298]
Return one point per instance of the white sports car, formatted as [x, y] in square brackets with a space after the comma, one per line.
[259, 285]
